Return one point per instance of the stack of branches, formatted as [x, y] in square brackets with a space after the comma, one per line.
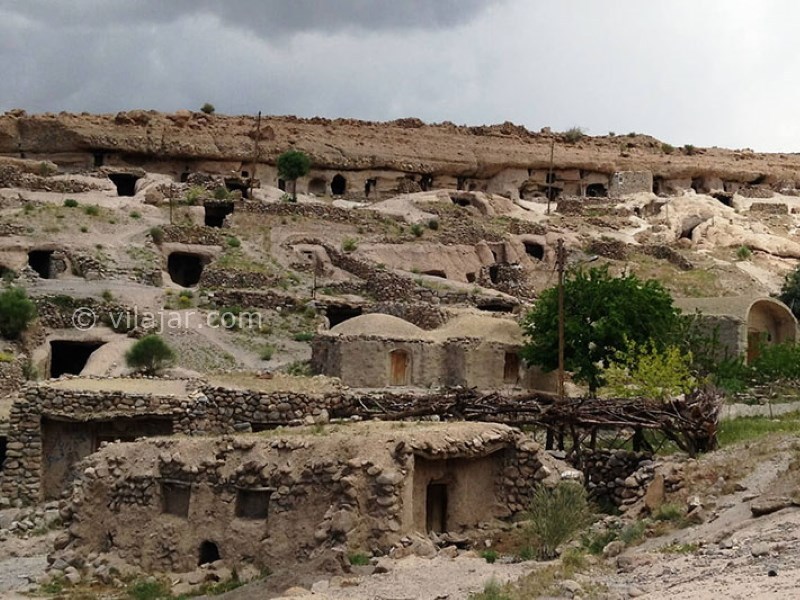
[690, 422]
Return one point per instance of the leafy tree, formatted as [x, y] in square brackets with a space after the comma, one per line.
[602, 315]
[292, 165]
[208, 108]
[790, 291]
[16, 312]
[150, 354]
[643, 370]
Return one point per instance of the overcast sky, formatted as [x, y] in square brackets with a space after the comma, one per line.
[703, 72]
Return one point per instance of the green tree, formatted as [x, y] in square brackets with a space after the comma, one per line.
[292, 165]
[790, 291]
[643, 370]
[16, 312]
[208, 108]
[150, 355]
[602, 315]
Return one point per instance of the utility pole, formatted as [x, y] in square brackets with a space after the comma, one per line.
[255, 154]
[561, 260]
[550, 177]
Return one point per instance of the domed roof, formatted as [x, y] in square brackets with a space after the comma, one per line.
[490, 329]
[379, 325]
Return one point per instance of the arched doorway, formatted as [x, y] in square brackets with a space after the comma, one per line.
[317, 186]
[338, 185]
[399, 367]
[768, 322]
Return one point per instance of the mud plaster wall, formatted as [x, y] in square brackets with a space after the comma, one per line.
[324, 492]
[630, 182]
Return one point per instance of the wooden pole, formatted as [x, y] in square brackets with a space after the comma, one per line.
[550, 175]
[560, 266]
[255, 154]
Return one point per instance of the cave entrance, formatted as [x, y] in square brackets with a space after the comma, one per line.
[339, 313]
[282, 185]
[596, 190]
[3, 448]
[185, 176]
[494, 273]
[534, 250]
[70, 357]
[426, 182]
[234, 185]
[185, 268]
[436, 508]
[725, 197]
[125, 182]
[41, 261]
[495, 305]
[435, 273]
[338, 185]
[216, 212]
[317, 186]
[208, 553]
[371, 185]
[99, 159]
[658, 185]
[462, 200]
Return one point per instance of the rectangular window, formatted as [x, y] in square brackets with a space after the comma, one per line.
[252, 504]
[175, 497]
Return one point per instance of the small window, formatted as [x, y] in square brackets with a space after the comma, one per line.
[252, 504]
[175, 498]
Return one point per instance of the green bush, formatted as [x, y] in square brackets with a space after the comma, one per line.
[433, 224]
[299, 368]
[233, 241]
[776, 362]
[221, 193]
[135, 214]
[490, 556]
[208, 108]
[150, 355]
[84, 229]
[417, 230]
[574, 135]
[92, 210]
[492, 590]
[107, 295]
[743, 253]
[690, 150]
[303, 336]
[148, 589]
[349, 244]
[358, 558]
[667, 148]
[16, 312]
[157, 235]
[267, 352]
[70, 203]
[194, 194]
[555, 516]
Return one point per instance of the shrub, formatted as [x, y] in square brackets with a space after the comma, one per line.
[135, 214]
[556, 515]
[433, 224]
[689, 149]
[303, 336]
[299, 368]
[643, 370]
[358, 558]
[490, 556]
[221, 193]
[194, 194]
[417, 230]
[157, 235]
[668, 512]
[148, 589]
[208, 108]
[287, 198]
[349, 244]
[267, 352]
[233, 241]
[16, 312]
[92, 210]
[732, 375]
[70, 203]
[574, 135]
[667, 148]
[776, 362]
[84, 229]
[492, 590]
[150, 354]
[107, 295]
[743, 253]
[5, 357]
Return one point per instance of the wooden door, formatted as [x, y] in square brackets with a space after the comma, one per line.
[399, 367]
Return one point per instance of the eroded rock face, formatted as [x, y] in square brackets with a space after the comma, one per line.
[498, 155]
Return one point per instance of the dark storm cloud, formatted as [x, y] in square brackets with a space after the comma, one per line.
[268, 17]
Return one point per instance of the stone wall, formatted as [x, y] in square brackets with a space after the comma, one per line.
[630, 182]
[618, 477]
[192, 234]
[355, 487]
[214, 277]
